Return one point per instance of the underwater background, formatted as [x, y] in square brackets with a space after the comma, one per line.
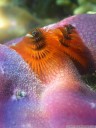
[17, 17]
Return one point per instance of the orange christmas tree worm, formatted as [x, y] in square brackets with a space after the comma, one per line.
[74, 47]
[39, 49]
[44, 50]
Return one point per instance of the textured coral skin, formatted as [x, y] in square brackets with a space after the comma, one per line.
[15, 76]
[65, 101]
[63, 106]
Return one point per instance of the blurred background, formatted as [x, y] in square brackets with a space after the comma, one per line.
[17, 17]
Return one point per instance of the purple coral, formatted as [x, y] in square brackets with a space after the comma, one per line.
[22, 96]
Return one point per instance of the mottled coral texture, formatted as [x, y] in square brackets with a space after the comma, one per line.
[66, 100]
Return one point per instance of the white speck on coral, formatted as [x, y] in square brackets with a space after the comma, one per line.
[1, 70]
[48, 27]
[74, 25]
[27, 126]
[93, 105]
[18, 94]
[14, 97]
[13, 44]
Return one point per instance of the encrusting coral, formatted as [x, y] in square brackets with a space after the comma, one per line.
[51, 94]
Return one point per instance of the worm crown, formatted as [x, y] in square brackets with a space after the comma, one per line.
[73, 46]
[67, 30]
[37, 35]
[37, 39]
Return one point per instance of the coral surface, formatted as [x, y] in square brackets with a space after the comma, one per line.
[27, 102]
